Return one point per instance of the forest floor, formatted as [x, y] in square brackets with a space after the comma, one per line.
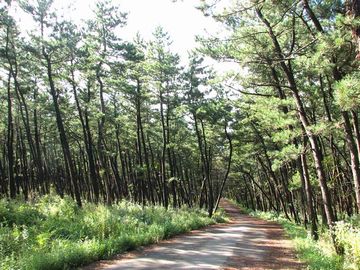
[244, 243]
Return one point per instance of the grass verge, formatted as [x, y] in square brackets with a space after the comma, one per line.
[320, 255]
[317, 255]
[53, 233]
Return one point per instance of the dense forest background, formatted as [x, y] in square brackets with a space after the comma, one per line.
[87, 114]
[101, 119]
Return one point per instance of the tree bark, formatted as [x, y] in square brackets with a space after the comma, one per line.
[227, 169]
[353, 156]
[63, 138]
[304, 172]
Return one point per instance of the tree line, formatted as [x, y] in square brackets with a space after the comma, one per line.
[101, 119]
[296, 137]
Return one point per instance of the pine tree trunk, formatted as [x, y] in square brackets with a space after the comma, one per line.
[63, 138]
[163, 153]
[356, 130]
[10, 142]
[227, 169]
[304, 173]
[353, 156]
[87, 140]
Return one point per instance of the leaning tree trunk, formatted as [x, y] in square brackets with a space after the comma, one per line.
[63, 138]
[10, 142]
[227, 169]
[354, 158]
[87, 140]
[10, 124]
[353, 10]
[304, 173]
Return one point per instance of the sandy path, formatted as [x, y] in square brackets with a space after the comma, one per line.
[244, 243]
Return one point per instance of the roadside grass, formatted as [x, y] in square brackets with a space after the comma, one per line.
[320, 255]
[53, 233]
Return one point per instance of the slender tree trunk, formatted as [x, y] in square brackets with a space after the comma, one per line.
[170, 158]
[356, 131]
[163, 152]
[10, 141]
[262, 192]
[227, 169]
[41, 165]
[24, 112]
[87, 139]
[309, 195]
[10, 124]
[140, 144]
[123, 164]
[202, 156]
[353, 156]
[207, 155]
[63, 138]
[101, 139]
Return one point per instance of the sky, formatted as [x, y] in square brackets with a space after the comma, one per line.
[179, 18]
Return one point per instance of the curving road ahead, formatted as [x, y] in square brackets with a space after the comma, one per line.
[244, 243]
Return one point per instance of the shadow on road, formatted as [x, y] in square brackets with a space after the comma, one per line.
[245, 243]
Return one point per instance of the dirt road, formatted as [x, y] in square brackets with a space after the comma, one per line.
[244, 243]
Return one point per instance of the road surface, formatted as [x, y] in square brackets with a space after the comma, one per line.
[244, 243]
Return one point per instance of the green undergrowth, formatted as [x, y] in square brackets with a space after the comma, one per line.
[53, 233]
[320, 255]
